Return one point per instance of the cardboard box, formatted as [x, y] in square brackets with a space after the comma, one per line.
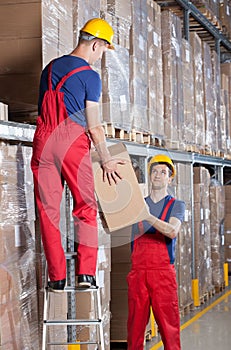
[227, 192]
[122, 204]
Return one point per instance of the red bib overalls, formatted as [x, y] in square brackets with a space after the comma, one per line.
[152, 282]
[61, 152]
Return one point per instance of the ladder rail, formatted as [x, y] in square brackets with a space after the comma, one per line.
[97, 322]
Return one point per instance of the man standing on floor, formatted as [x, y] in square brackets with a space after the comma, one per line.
[152, 279]
[68, 107]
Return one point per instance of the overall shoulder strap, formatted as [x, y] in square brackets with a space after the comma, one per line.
[166, 209]
[65, 77]
[49, 76]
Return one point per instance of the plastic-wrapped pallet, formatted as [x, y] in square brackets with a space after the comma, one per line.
[188, 94]
[155, 71]
[184, 238]
[202, 234]
[217, 210]
[18, 287]
[209, 100]
[199, 116]
[172, 73]
[228, 225]
[138, 66]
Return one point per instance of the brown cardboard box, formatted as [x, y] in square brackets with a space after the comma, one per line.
[122, 204]
[227, 192]
[228, 238]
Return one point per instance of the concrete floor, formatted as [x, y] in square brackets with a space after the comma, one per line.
[208, 327]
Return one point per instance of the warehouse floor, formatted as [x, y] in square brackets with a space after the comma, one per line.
[206, 327]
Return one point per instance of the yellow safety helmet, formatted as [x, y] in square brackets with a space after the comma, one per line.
[101, 29]
[162, 158]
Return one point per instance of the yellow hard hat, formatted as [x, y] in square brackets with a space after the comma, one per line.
[101, 29]
[162, 158]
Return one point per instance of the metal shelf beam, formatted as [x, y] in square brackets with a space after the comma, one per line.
[190, 9]
[200, 18]
[24, 133]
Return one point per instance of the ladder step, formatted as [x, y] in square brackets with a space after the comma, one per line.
[69, 289]
[71, 322]
[76, 343]
[70, 255]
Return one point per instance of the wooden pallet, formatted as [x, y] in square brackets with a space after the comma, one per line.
[186, 309]
[220, 287]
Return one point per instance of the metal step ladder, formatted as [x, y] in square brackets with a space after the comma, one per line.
[72, 322]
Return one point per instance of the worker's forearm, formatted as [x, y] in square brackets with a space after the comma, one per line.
[164, 227]
[98, 138]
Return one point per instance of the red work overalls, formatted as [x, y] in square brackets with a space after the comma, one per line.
[152, 282]
[61, 152]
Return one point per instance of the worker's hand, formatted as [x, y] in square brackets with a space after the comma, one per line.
[110, 171]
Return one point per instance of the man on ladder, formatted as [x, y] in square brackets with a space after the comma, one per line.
[68, 104]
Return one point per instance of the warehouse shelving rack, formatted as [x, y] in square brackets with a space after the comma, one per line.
[23, 133]
[202, 25]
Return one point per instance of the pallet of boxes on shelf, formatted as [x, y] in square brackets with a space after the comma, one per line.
[225, 17]
[217, 216]
[226, 100]
[199, 117]
[155, 73]
[115, 73]
[172, 79]
[33, 33]
[120, 266]
[138, 66]
[209, 98]
[18, 287]
[227, 227]
[188, 97]
[202, 233]
[184, 239]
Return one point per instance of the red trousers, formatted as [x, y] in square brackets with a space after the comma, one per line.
[62, 153]
[152, 282]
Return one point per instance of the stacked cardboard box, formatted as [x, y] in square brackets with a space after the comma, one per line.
[121, 264]
[209, 99]
[18, 287]
[138, 66]
[115, 66]
[32, 32]
[184, 238]
[155, 70]
[224, 115]
[225, 17]
[188, 94]
[228, 226]
[199, 117]
[217, 214]
[172, 74]
[202, 235]
[226, 87]
[210, 8]
[221, 133]
[115, 77]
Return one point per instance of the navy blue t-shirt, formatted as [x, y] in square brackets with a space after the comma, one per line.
[82, 86]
